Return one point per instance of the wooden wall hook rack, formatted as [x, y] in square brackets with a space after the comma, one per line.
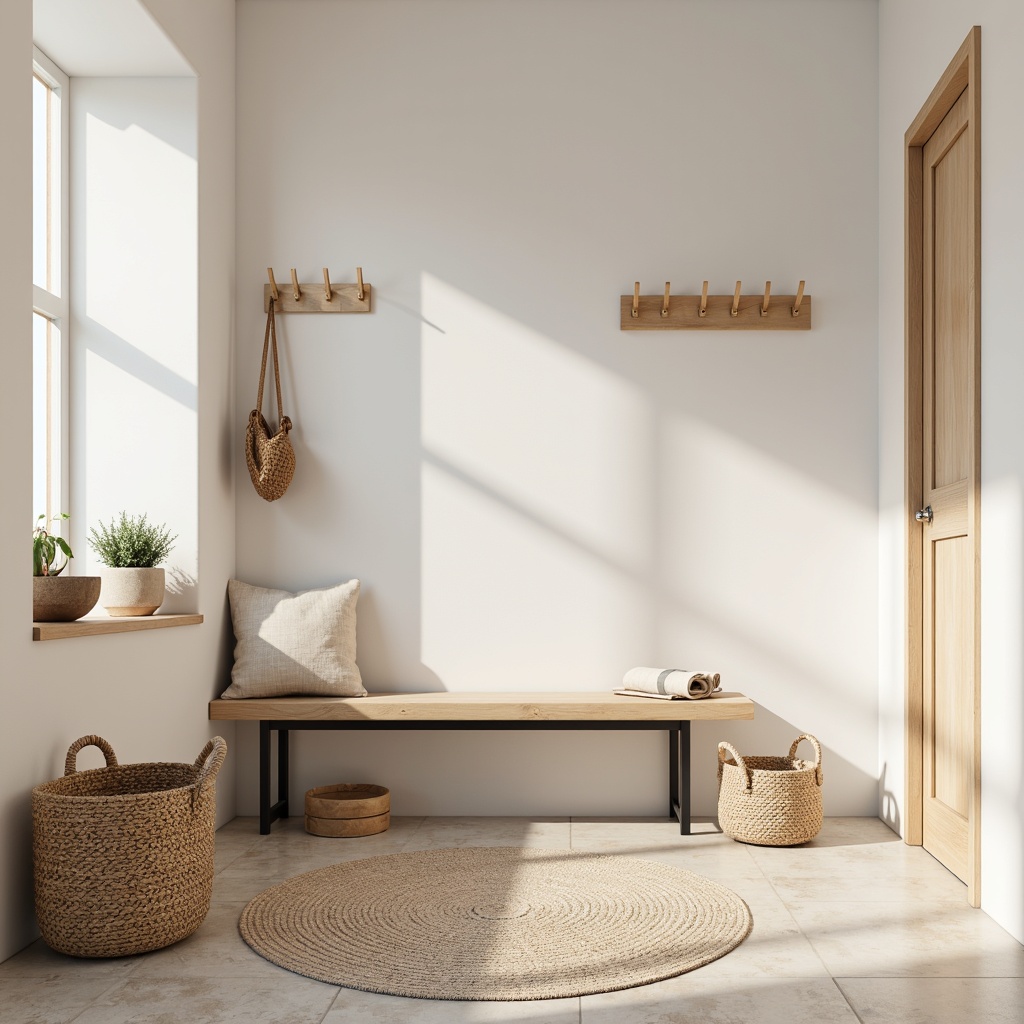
[325, 297]
[736, 312]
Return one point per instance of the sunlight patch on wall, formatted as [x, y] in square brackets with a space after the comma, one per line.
[554, 434]
[141, 242]
[510, 605]
[770, 563]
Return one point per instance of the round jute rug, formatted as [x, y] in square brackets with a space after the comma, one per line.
[494, 923]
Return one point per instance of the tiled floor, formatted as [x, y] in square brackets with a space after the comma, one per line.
[855, 926]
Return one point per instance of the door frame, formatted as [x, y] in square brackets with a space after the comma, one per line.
[964, 71]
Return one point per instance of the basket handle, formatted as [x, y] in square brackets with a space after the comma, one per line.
[109, 756]
[737, 757]
[818, 776]
[210, 759]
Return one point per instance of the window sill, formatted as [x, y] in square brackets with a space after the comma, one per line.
[106, 624]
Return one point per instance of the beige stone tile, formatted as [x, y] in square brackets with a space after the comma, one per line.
[924, 880]
[215, 950]
[850, 845]
[698, 997]
[39, 961]
[47, 1000]
[703, 856]
[775, 947]
[437, 833]
[351, 1006]
[229, 848]
[940, 939]
[240, 825]
[290, 999]
[936, 1000]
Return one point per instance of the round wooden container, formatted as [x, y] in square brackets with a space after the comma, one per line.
[348, 809]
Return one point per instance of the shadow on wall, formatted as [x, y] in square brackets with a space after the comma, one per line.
[890, 803]
[571, 515]
[768, 734]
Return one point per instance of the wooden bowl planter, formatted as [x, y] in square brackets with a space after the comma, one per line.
[63, 598]
[346, 810]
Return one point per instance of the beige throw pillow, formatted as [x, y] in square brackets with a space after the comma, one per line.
[294, 644]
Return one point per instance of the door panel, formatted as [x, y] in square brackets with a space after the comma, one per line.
[952, 450]
[948, 558]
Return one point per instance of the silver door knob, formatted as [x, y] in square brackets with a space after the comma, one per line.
[925, 515]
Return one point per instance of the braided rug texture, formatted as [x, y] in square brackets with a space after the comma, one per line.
[494, 923]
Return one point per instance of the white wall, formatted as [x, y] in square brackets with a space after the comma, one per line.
[532, 498]
[918, 39]
[134, 352]
[143, 692]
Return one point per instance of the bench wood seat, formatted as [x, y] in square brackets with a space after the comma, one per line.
[503, 710]
[473, 707]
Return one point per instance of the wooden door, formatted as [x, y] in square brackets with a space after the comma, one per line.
[948, 556]
[943, 479]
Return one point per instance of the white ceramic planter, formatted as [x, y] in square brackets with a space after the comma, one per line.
[132, 591]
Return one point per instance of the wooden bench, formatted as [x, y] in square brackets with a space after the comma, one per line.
[478, 711]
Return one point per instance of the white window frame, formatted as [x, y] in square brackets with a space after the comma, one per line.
[55, 305]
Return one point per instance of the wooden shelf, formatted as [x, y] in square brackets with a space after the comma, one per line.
[100, 624]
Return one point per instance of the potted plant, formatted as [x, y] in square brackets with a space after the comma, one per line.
[131, 548]
[57, 598]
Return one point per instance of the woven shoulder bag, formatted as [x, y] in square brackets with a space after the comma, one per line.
[270, 457]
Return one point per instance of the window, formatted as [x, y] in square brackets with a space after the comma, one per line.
[50, 286]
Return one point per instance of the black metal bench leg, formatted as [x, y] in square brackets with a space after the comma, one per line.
[264, 778]
[679, 775]
[683, 784]
[673, 772]
[282, 773]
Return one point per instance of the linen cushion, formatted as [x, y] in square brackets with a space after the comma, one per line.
[294, 644]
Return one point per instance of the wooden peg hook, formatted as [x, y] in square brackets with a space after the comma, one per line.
[735, 311]
[799, 299]
[703, 311]
[664, 305]
[636, 300]
[273, 285]
[359, 284]
[327, 285]
[767, 296]
[296, 291]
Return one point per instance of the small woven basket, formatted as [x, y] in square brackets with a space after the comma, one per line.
[124, 854]
[770, 801]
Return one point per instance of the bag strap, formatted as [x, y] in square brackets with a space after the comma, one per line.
[270, 341]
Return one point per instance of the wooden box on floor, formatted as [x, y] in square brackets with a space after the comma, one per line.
[348, 809]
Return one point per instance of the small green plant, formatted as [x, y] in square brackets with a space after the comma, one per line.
[131, 542]
[45, 546]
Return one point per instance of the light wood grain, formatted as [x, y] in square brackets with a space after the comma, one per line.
[313, 299]
[946, 92]
[471, 707]
[913, 401]
[101, 626]
[684, 314]
[948, 704]
[347, 828]
[943, 353]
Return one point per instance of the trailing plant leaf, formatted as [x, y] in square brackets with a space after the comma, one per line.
[131, 542]
[45, 546]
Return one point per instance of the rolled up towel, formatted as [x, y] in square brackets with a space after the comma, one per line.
[675, 682]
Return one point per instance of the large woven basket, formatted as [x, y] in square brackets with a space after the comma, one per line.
[770, 801]
[124, 854]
